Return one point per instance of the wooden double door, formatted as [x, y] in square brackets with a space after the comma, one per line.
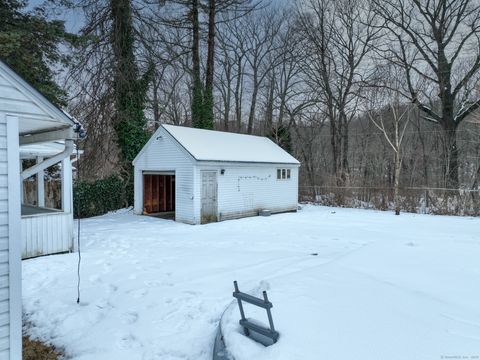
[158, 193]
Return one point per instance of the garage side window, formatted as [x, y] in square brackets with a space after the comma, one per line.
[283, 174]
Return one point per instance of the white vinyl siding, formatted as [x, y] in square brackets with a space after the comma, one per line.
[244, 189]
[13, 101]
[45, 234]
[4, 279]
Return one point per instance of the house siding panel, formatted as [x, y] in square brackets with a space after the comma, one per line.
[36, 241]
[244, 189]
[12, 101]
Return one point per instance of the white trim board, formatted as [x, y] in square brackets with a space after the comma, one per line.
[14, 253]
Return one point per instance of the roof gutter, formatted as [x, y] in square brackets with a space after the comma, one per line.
[249, 162]
[35, 169]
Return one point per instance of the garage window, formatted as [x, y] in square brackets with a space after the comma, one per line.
[283, 174]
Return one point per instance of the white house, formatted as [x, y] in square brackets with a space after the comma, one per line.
[203, 175]
[26, 117]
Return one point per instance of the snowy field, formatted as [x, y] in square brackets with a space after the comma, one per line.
[381, 287]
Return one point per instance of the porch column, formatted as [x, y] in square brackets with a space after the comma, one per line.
[40, 185]
[138, 191]
[67, 185]
[13, 257]
[21, 182]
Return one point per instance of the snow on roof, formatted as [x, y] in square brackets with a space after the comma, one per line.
[209, 145]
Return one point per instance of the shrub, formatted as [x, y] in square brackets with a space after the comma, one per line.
[100, 196]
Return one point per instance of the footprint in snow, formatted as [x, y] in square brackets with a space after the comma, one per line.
[193, 293]
[152, 283]
[410, 243]
[130, 317]
[111, 288]
[95, 279]
[103, 304]
[127, 341]
[107, 268]
[139, 293]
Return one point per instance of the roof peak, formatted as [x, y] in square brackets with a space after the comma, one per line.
[213, 145]
[211, 130]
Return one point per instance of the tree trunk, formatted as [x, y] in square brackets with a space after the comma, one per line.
[396, 186]
[451, 156]
[268, 128]
[253, 104]
[208, 120]
[156, 108]
[344, 160]
[238, 95]
[333, 142]
[226, 113]
[197, 96]
[129, 89]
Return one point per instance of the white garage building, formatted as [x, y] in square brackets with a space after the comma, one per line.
[200, 176]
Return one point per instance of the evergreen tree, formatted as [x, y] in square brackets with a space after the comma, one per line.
[30, 44]
[282, 137]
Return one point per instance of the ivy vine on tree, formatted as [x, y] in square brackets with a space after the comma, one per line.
[129, 88]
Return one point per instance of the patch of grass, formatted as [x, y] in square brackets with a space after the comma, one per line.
[36, 350]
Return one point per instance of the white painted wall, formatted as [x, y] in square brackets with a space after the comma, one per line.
[246, 188]
[162, 153]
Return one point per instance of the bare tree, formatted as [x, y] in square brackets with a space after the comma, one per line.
[261, 29]
[338, 37]
[391, 117]
[437, 44]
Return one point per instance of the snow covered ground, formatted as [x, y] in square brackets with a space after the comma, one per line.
[381, 287]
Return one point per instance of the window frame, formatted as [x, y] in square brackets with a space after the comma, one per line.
[284, 174]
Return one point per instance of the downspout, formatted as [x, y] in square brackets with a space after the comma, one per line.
[49, 162]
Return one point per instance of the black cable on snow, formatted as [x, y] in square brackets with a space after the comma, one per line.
[78, 229]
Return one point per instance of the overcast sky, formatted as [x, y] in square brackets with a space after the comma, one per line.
[73, 18]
